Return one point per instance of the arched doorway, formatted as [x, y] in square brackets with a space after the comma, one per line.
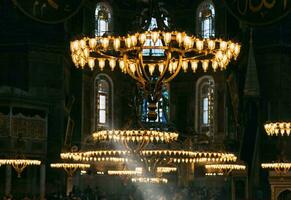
[285, 195]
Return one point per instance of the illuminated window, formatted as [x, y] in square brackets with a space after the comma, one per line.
[103, 101]
[205, 105]
[102, 19]
[149, 42]
[162, 107]
[206, 19]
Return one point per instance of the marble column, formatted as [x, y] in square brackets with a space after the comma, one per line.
[8, 179]
[42, 182]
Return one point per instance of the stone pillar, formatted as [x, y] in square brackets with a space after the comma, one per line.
[8, 179]
[42, 182]
[69, 184]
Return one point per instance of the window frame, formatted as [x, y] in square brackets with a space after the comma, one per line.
[109, 22]
[200, 126]
[109, 108]
[200, 20]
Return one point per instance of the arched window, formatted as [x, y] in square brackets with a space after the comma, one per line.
[149, 42]
[162, 107]
[205, 100]
[103, 101]
[206, 19]
[102, 19]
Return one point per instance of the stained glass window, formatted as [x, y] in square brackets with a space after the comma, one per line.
[102, 19]
[162, 107]
[206, 19]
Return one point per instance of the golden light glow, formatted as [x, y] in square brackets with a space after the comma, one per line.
[96, 153]
[70, 168]
[166, 169]
[176, 45]
[278, 128]
[226, 167]
[136, 135]
[69, 165]
[19, 164]
[137, 171]
[181, 156]
[279, 167]
[214, 174]
[149, 180]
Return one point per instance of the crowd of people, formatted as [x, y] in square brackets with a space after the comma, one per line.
[136, 192]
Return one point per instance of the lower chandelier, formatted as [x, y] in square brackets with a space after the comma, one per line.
[278, 128]
[279, 167]
[19, 164]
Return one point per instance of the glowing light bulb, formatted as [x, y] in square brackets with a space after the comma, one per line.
[211, 44]
[194, 65]
[205, 65]
[116, 44]
[112, 64]
[223, 45]
[91, 63]
[161, 67]
[92, 43]
[185, 65]
[199, 45]
[105, 43]
[155, 36]
[101, 63]
[142, 37]
[151, 68]
[167, 37]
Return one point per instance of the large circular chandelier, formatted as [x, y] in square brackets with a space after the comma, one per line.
[180, 52]
[275, 128]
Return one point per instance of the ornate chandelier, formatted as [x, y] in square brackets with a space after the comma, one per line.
[154, 180]
[180, 52]
[278, 128]
[279, 167]
[70, 168]
[19, 164]
[225, 168]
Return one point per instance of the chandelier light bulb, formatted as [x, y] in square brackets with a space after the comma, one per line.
[199, 45]
[214, 65]
[167, 37]
[91, 63]
[105, 43]
[101, 63]
[179, 37]
[211, 44]
[142, 38]
[133, 40]
[151, 68]
[205, 65]
[223, 45]
[185, 65]
[116, 44]
[155, 36]
[82, 44]
[161, 67]
[112, 63]
[92, 43]
[194, 65]
[128, 42]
